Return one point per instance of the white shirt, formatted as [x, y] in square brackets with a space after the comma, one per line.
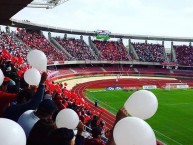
[27, 121]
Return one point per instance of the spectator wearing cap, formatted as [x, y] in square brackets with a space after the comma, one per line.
[96, 140]
[5, 97]
[15, 111]
[29, 118]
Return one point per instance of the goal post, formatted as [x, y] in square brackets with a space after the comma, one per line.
[170, 86]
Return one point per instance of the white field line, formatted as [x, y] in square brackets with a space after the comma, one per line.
[168, 137]
[105, 104]
[176, 104]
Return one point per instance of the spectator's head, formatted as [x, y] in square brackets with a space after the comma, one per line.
[5, 84]
[23, 83]
[61, 136]
[95, 117]
[96, 132]
[40, 131]
[46, 109]
[24, 96]
[102, 123]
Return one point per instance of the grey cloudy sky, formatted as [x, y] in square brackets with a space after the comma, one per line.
[148, 17]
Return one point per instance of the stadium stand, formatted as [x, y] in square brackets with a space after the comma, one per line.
[77, 48]
[149, 52]
[118, 69]
[112, 50]
[153, 71]
[37, 41]
[15, 47]
[87, 69]
[184, 54]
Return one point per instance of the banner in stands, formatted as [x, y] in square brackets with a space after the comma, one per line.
[182, 86]
[148, 87]
[131, 88]
[114, 88]
[102, 34]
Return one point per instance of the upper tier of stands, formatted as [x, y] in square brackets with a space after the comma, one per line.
[149, 52]
[77, 48]
[112, 50]
[37, 41]
[184, 54]
[13, 46]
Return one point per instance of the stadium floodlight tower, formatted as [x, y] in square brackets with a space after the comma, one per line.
[48, 4]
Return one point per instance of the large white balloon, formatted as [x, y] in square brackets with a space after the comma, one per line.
[67, 118]
[133, 131]
[11, 133]
[1, 77]
[37, 59]
[142, 104]
[32, 76]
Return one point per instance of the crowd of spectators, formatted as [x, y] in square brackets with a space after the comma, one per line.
[149, 52]
[112, 50]
[35, 40]
[35, 108]
[13, 46]
[78, 49]
[184, 54]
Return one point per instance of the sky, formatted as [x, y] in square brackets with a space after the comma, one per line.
[143, 17]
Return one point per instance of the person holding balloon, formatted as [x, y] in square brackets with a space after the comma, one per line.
[44, 111]
[133, 130]
[15, 111]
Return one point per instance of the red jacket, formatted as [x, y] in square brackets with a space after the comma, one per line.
[5, 98]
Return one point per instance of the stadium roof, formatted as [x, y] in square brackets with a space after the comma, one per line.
[34, 26]
[9, 8]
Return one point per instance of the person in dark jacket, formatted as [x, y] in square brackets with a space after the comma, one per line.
[15, 111]
[40, 132]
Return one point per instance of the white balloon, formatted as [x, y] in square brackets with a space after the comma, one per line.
[37, 59]
[1, 77]
[67, 118]
[142, 104]
[133, 131]
[32, 76]
[11, 133]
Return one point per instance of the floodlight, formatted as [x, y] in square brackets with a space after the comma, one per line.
[48, 4]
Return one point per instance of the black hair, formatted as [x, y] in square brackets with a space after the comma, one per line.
[96, 131]
[60, 136]
[24, 96]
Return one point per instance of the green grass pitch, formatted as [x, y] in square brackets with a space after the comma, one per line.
[173, 121]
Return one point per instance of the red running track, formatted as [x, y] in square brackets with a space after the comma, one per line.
[106, 116]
